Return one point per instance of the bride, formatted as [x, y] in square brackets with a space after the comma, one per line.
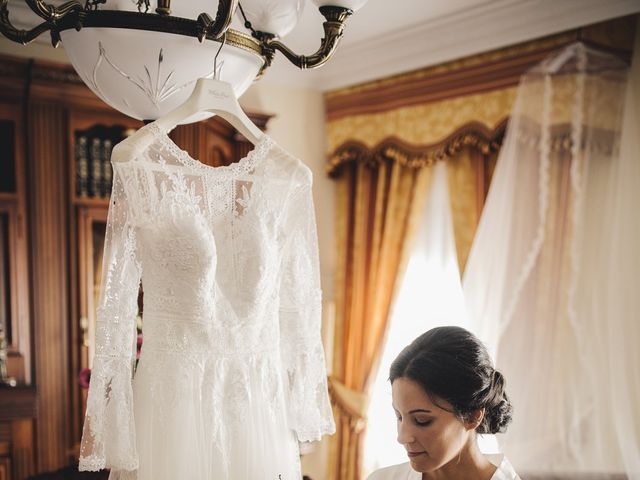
[445, 391]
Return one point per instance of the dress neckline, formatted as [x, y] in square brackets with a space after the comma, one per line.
[245, 165]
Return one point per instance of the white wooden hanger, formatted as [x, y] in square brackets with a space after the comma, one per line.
[211, 95]
[215, 96]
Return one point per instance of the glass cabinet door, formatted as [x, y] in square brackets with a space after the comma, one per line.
[5, 295]
[92, 223]
[14, 300]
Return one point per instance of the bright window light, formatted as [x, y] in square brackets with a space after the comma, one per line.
[430, 296]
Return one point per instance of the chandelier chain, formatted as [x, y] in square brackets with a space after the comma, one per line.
[247, 23]
[93, 4]
[144, 3]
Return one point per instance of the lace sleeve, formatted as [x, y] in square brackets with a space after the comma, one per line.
[108, 438]
[302, 353]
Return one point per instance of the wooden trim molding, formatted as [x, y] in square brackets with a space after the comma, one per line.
[472, 135]
[407, 92]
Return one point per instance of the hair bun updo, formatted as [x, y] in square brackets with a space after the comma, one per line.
[451, 364]
[497, 415]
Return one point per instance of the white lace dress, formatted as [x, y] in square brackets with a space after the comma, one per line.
[231, 375]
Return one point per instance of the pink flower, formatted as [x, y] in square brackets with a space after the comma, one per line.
[84, 377]
[138, 346]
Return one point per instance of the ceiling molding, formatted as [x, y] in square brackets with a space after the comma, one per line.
[490, 26]
[456, 80]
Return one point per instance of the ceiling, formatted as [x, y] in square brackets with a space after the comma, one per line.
[386, 38]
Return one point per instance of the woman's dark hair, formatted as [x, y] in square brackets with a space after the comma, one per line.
[451, 364]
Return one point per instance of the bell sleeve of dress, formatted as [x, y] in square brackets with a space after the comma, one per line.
[108, 438]
[302, 353]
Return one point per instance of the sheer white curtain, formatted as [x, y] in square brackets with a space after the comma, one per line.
[430, 295]
[552, 279]
[622, 294]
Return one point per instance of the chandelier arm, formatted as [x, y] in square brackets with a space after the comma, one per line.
[333, 30]
[224, 15]
[52, 13]
[207, 27]
[20, 36]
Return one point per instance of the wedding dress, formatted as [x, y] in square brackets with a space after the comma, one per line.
[231, 374]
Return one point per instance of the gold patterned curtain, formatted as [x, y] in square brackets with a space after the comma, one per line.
[376, 207]
[381, 194]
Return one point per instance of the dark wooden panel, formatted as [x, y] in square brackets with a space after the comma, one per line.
[17, 402]
[49, 278]
[16, 440]
[23, 455]
[5, 468]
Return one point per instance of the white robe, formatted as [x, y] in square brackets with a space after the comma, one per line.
[404, 471]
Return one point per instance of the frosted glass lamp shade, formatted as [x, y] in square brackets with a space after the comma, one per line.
[146, 74]
[277, 17]
[354, 5]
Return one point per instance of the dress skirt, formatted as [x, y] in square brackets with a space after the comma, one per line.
[211, 418]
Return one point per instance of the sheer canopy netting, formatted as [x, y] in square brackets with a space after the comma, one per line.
[551, 282]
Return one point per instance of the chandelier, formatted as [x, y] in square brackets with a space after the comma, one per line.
[144, 61]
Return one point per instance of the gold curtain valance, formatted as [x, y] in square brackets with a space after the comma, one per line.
[600, 140]
[474, 135]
